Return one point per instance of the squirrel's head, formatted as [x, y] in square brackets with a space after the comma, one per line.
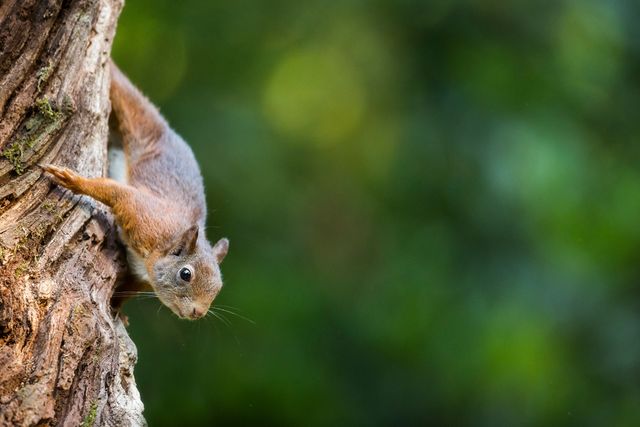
[186, 274]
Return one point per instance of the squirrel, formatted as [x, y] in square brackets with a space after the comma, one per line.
[158, 203]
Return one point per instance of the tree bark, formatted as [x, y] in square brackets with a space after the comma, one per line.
[64, 358]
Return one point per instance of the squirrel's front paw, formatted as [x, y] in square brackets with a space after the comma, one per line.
[63, 176]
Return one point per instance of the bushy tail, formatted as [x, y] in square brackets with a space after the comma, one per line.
[137, 119]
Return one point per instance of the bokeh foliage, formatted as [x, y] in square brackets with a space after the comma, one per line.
[433, 209]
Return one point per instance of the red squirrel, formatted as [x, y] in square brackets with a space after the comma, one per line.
[159, 205]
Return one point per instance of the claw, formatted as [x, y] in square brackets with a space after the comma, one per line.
[63, 176]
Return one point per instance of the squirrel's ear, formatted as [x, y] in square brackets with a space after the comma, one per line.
[190, 238]
[220, 249]
[185, 243]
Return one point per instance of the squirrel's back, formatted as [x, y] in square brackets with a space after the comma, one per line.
[155, 158]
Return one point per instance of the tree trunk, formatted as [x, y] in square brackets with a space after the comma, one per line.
[64, 358]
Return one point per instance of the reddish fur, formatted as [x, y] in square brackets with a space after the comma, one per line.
[163, 197]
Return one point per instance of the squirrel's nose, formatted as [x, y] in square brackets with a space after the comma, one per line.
[198, 312]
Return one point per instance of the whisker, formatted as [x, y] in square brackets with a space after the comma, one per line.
[227, 321]
[229, 307]
[222, 319]
[234, 314]
[225, 318]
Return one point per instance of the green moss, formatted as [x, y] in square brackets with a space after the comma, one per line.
[13, 153]
[40, 231]
[53, 209]
[46, 120]
[43, 74]
[21, 244]
[33, 123]
[90, 418]
[21, 269]
[68, 107]
[28, 235]
[49, 206]
[44, 106]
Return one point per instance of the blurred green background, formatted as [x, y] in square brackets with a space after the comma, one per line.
[433, 209]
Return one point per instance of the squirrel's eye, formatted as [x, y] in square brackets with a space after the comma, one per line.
[185, 274]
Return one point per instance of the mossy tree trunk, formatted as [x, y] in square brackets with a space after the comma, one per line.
[64, 358]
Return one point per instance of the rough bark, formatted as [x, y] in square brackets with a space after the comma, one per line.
[64, 358]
